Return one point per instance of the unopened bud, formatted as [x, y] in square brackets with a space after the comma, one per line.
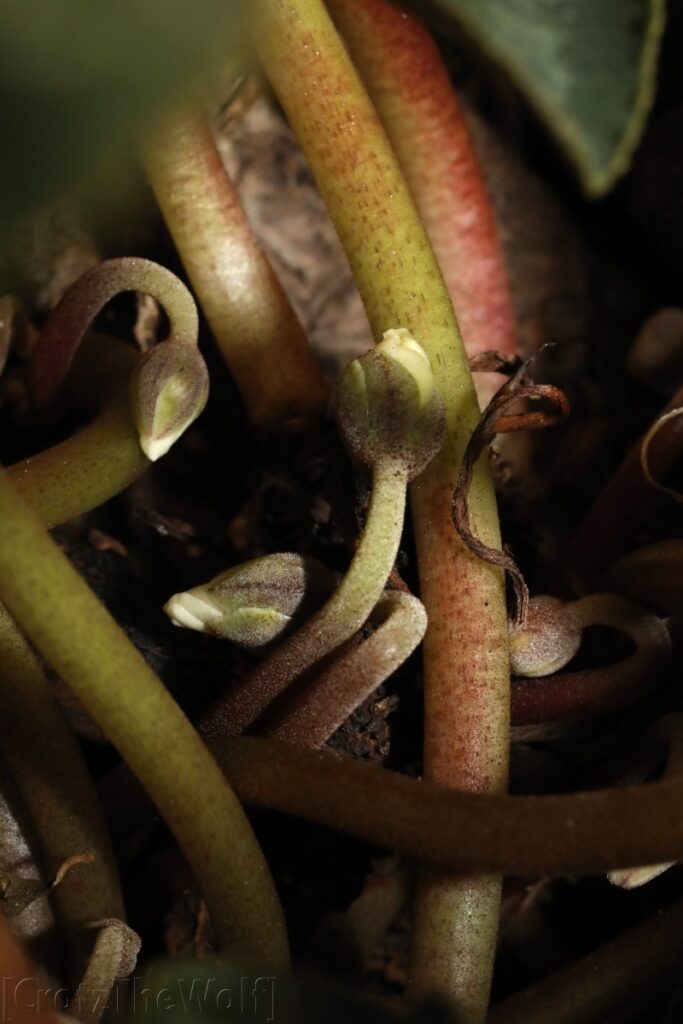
[387, 406]
[548, 641]
[170, 389]
[633, 878]
[255, 602]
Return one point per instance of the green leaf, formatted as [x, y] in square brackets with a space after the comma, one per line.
[588, 67]
[78, 79]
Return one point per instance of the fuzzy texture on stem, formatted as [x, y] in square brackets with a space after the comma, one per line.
[313, 714]
[466, 647]
[113, 958]
[252, 321]
[531, 836]
[111, 679]
[100, 460]
[48, 768]
[588, 693]
[409, 84]
[335, 622]
[68, 321]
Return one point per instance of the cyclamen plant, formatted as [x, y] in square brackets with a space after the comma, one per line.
[395, 167]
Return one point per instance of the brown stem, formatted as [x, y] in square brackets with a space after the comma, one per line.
[582, 833]
[618, 506]
[642, 964]
[313, 714]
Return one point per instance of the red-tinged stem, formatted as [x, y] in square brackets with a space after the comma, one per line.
[409, 84]
[466, 648]
[252, 321]
[619, 505]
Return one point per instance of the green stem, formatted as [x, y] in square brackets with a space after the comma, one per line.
[100, 460]
[112, 681]
[48, 768]
[336, 622]
[251, 319]
[316, 712]
[466, 647]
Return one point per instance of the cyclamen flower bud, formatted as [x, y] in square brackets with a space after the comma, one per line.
[387, 406]
[255, 602]
[170, 389]
[548, 641]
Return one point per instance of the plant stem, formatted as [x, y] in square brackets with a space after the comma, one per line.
[113, 958]
[466, 647]
[642, 964]
[317, 711]
[100, 460]
[251, 319]
[617, 508]
[67, 323]
[335, 622]
[111, 679]
[48, 768]
[583, 833]
[409, 84]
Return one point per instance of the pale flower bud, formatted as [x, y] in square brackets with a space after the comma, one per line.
[387, 406]
[169, 390]
[253, 603]
[548, 640]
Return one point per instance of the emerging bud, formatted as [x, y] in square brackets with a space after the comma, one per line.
[255, 602]
[170, 389]
[633, 878]
[387, 406]
[548, 641]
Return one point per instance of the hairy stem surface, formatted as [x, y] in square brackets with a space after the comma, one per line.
[75, 633]
[466, 647]
[336, 622]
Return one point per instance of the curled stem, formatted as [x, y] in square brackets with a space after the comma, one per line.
[591, 692]
[100, 460]
[335, 622]
[467, 695]
[113, 958]
[252, 321]
[314, 713]
[68, 321]
[74, 632]
[616, 509]
[48, 768]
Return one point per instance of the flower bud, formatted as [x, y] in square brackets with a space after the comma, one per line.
[633, 878]
[255, 602]
[548, 641]
[387, 406]
[170, 389]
